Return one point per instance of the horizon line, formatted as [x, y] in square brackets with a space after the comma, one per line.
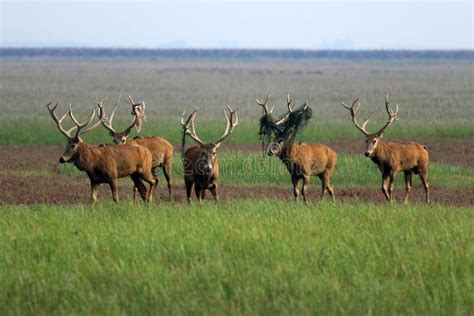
[235, 48]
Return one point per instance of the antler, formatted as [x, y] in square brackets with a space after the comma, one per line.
[81, 127]
[264, 105]
[191, 132]
[138, 109]
[290, 110]
[58, 121]
[102, 116]
[230, 124]
[353, 109]
[392, 116]
[288, 103]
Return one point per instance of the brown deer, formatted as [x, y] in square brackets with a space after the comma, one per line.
[161, 150]
[200, 165]
[302, 160]
[104, 163]
[392, 157]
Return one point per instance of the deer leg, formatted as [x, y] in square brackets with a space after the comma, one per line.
[167, 174]
[155, 177]
[94, 186]
[409, 185]
[391, 184]
[153, 184]
[213, 190]
[189, 188]
[198, 191]
[330, 189]
[296, 192]
[424, 180]
[113, 187]
[304, 187]
[385, 181]
[324, 185]
[148, 177]
[135, 189]
[139, 186]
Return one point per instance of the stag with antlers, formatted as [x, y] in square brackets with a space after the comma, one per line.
[392, 157]
[201, 169]
[302, 160]
[161, 149]
[104, 163]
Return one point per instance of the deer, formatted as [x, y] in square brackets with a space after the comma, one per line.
[200, 165]
[104, 163]
[393, 157]
[302, 160]
[161, 149]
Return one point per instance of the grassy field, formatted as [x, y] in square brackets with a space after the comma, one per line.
[211, 130]
[435, 96]
[242, 257]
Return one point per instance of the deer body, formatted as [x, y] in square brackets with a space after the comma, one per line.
[201, 169]
[161, 150]
[162, 154]
[104, 163]
[200, 173]
[107, 163]
[393, 157]
[302, 160]
[397, 156]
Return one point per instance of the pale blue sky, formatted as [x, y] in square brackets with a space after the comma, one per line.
[244, 24]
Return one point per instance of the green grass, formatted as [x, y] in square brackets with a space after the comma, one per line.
[253, 169]
[241, 257]
[43, 131]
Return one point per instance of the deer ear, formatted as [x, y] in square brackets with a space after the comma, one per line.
[217, 145]
[380, 135]
[111, 134]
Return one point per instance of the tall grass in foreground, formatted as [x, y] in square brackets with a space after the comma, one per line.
[265, 257]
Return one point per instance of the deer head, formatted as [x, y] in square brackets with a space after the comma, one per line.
[277, 127]
[120, 137]
[72, 141]
[208, 150]
[371, 139]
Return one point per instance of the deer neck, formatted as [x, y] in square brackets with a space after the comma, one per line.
[380, 152]
[285, 150]
[85, 157]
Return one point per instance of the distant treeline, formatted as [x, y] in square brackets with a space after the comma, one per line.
[237, 53]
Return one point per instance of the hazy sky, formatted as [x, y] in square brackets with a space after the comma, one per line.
[244, 24]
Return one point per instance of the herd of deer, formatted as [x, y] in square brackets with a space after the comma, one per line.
[140, 157]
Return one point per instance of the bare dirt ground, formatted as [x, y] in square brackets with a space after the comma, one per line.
[34, 188]
[66, 190]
